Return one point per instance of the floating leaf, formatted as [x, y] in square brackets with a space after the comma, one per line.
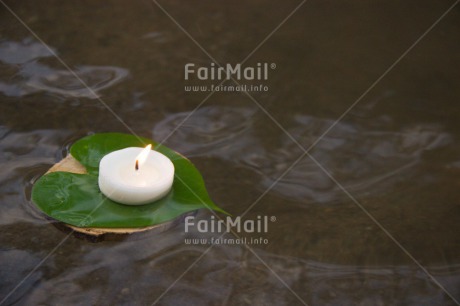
[76, 199]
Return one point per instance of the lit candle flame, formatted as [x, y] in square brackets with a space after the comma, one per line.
[142, 157]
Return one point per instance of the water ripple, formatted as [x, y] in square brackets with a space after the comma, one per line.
[358, 156]
[12, 52]
[63, 82]
[33, 76]
[25, 156]
[220, 131]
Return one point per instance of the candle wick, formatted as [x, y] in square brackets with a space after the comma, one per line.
[137, 165]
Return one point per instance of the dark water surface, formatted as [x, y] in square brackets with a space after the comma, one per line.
[396, 152]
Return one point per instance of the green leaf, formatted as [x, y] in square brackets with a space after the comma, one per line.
[76, 199]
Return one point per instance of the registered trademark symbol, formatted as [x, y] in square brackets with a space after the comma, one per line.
[273, 66]
[273, 218]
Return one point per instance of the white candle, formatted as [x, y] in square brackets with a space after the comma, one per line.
[135, 176]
